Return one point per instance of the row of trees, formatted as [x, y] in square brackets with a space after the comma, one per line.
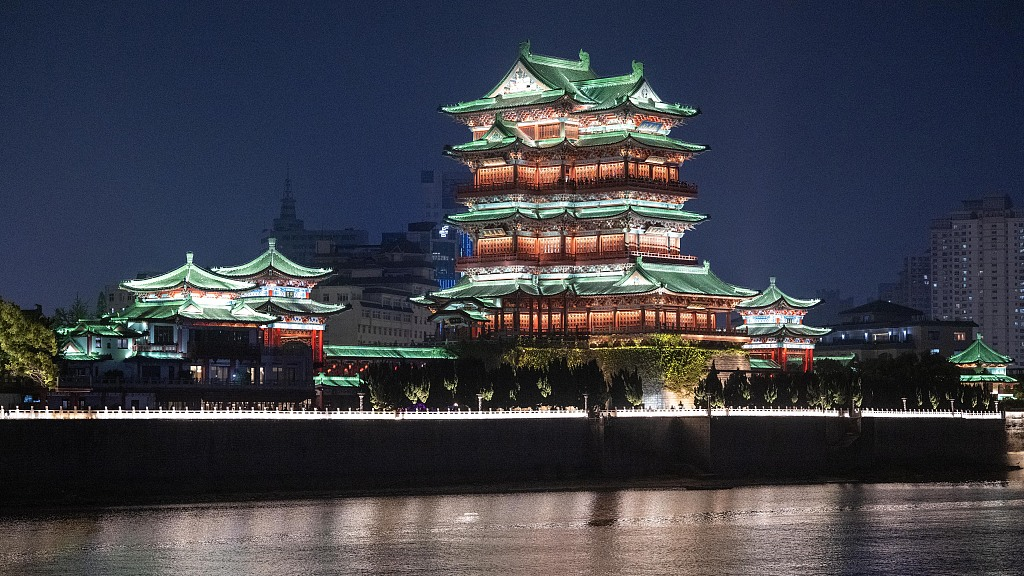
[926, 382]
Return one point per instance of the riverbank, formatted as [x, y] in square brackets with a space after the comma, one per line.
[69, 462]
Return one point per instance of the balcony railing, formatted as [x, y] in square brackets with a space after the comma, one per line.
[559, 258]
[572, 186]
[147, 347]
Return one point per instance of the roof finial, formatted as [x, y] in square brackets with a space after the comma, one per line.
[638, 68]
[188, 257]
[271, 242]
[771, 280]
[524, 48]
[584, 59]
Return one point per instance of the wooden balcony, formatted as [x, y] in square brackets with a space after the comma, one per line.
[560, 259]
[679, 188]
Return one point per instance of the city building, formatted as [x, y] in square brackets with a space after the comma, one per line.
[302, 245]
[913, 289]
[575, 211]
[977, 270]
[377, 282]
[774, 321]
[881, 327]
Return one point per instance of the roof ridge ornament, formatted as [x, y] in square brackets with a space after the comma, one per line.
[584, 58]
[272, 244]
[188, 257]
[638, 68]
[524, 48]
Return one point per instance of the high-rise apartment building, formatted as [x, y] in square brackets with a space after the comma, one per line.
[914, 288]
[977, 270]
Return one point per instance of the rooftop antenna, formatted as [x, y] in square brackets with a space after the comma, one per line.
[288, 180]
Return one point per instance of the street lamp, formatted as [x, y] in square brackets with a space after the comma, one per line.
[904, 404]
[951, 409]
[361, 394]
[479, 402]
[585, 396]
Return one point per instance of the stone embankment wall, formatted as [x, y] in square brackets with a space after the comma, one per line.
[76, 461]
[1015, 431]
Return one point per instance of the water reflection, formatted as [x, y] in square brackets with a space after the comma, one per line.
[822, 529]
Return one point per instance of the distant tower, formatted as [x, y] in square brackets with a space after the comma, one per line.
[288, 219]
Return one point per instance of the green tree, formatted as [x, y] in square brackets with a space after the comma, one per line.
[384, 386]
[27, 347]
[69, 316]
[417, 390]
[101, 305]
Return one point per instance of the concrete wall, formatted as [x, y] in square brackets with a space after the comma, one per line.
[75, 461]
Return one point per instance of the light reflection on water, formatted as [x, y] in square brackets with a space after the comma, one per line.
[817, 529]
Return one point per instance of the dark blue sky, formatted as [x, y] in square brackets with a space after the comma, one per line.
[131, 133]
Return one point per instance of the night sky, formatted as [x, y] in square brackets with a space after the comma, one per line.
[132, 133]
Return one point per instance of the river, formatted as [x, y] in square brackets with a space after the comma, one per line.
[895, 528]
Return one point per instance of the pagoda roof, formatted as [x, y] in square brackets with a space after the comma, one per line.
[978, 378]
[100, 327]
[237, 311]
[782, 330]
[550, 78]
[387, 352]
[640, 278]
[498, 141]
[189, 275]
[272, 260]
[979, 353]
[772, 297]
[279, 305]
[582, 213]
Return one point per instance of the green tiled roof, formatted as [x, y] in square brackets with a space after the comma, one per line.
[587, 213]
[640, 278]
[979, 353]
[618, 137]
[387, 352]
[572, 78]
[102, 327]
[79, 357]
[188, 308]
[771, 296]
[322, 379]
[271, 259]
[795, 330]
[293, 306]
[189, 275]
[978, 378]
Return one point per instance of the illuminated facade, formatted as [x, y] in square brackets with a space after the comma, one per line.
[245, 325]
[576, 212]
[774, 321]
